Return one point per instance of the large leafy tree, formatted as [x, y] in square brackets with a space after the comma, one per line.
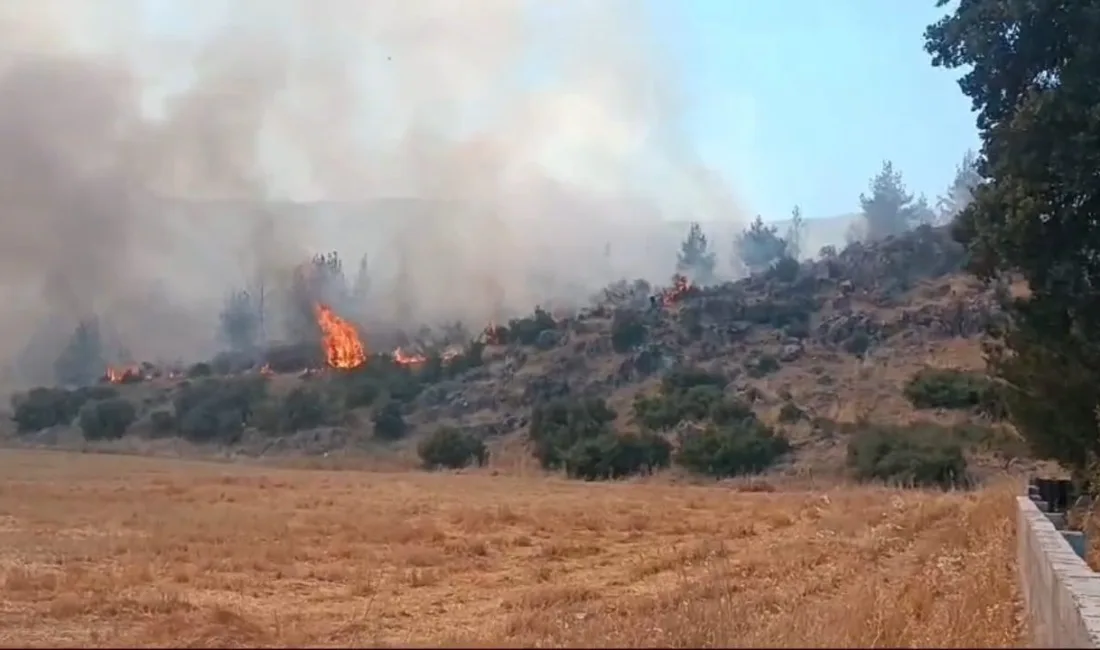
[1033, 74]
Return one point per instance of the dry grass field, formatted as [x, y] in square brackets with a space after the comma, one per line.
[111, 550]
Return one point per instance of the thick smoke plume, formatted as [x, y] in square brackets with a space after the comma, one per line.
[153, 155]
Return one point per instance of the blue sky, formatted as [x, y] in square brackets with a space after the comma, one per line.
[799, 101]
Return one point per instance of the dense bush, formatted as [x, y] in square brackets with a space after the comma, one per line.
[303, 408]
[162, 423]
[747, 447]
[200, 370]
[762, 366]
[452, 448]
[858, 344]
[921, 455]
[612, 456]
[665, 411]
[949, 388]
[41, 408]
[686, 395]
[628, 331]
[217, 408]
[525, 331]
[107, 419]
[389, 422]
[558, 425]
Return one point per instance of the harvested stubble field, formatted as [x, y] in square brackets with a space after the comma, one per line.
[112, 550]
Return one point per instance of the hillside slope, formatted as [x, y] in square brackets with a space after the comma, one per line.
[818, 350]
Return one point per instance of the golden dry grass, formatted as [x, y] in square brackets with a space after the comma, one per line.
[107, 550]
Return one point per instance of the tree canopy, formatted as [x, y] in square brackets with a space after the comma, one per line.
[1032, 72]
[759, 246]
[890, 209]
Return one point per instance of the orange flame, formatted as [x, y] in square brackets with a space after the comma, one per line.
[402, 358]
[343, 349]
[680, 286]
[492, 334]
[122, 374]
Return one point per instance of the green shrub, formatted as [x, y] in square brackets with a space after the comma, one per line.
[731, 411]
[41, 408]
[303, 408]
[200, 370]
[217, 408]
[682, 379]
[858, 344]
[628, 331]
[559, 424]
[722, 451]
[762, 366]
[949, 388]
[389, 422]
[525, 331]
[162, 423]
[451, 448]
[107, 419]
[612, 456]
[921, 455]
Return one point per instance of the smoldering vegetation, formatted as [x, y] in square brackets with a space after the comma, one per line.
[157, 156]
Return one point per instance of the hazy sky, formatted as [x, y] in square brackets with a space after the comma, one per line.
[799, 101]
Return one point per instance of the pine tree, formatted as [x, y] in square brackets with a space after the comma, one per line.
[889, 209]
[795, 233]
[758, 246]
[695, 259]
[961, 191]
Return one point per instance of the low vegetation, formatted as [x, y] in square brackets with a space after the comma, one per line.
[922, 455]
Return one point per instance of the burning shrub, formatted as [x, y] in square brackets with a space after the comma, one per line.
[449, 447]
[748, 447]
[389, 422]
[612, 456]
[628, 331]
[107, 419]
[558, 425]
[41, 408]
[217, 408]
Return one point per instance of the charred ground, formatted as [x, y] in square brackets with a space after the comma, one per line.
[866, 360]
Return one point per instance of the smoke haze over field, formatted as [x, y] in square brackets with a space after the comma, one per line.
[145, 171]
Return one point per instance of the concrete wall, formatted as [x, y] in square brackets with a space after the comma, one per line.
[1061, 592]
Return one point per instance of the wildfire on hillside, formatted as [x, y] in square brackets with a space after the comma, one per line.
[341, 343]
[402, 358]
[680, 286]
[493, 334]
[123, 374]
